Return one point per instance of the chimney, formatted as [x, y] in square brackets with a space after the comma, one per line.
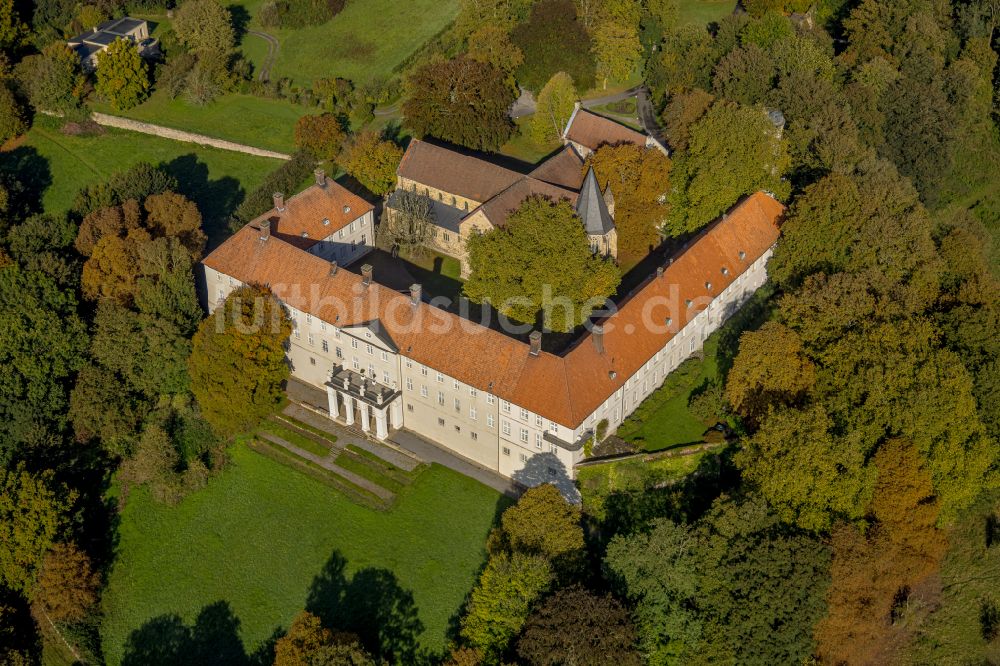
[333, 268]
[366, 274]
[415, 293]
[279, 202]
[659, 271]
[597, 332]
[535, 340]
[320, 177]
[265, 229]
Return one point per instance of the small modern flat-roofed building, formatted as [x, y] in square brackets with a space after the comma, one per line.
[388, 360]
[88, 44]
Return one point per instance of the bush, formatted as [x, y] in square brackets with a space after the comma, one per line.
[321, 135]
[709, 405]
[13, 120]
[172, 76]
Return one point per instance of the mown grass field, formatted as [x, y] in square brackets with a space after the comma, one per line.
[363, 42]
[255, 121]
[216, 180]
[703, 12]
[250, 546]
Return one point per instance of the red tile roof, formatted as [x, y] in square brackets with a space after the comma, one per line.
[564, 169]
[498, 208]
[305, 213]
[591, 130]
[454, 172]
[565, 389]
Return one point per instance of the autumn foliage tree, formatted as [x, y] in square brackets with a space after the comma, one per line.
[67, 585]
[461, 100]
[373, 160]
[321, 135]
[237, 364]
[308, 643]
[541, 250]
[874, 571]
[640, 180]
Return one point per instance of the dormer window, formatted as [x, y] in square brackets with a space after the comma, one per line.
[668, 321]
[305, 235]
[687, 302]
[725, 271]
[708, 285]
[743, 255]
[326, 221]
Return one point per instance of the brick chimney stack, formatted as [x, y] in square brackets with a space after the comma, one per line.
[416, 292]
[366, 274]
[279, 202]
[597, 332]
[320, 177]
[535, 340]
[333, 268]
[265, 229]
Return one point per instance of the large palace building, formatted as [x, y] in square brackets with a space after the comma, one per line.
[388, 360]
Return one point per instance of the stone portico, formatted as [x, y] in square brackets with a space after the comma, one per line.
[354, 398]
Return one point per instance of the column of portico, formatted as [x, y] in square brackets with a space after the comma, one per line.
[332, 402]
[381, 431]
[348, 409]
[396, 414]
[365, 424]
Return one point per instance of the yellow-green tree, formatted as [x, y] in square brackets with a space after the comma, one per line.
[617, 50]
[237, 362]
[122, 76]
[554, 107]
[372, 160]
[31, 516]
[540, 261]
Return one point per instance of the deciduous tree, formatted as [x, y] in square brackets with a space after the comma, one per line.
[502, 600]
[373, 160]
[639, 179]
[492, 44]
[554, 40]
[67, 585]
[32, 512]
[173, 215]
[13, 119]
[544, 523]
[617, 50]
[733, 151]
[461, 100]
[577, 626]
[204, 25]
[553, 109]
[52, 80]
[321, 135]
[408, 225]
[122, 75]
[237, 364]
[540, 261]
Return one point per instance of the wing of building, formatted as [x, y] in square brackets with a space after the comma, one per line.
[388, 360]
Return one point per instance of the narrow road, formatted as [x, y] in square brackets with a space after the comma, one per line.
[272, 52]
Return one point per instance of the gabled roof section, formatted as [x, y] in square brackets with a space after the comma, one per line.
[315, 213]
[453, 172]
[591, 130]
[591, 207]
[562, 169]
[378, 330]
[499, 208]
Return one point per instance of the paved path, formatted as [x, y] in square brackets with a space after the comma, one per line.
[180, 135]
[272, 53]
[432, 453]
[327, 464]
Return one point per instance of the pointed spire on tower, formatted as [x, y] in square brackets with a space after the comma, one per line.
[591, 207]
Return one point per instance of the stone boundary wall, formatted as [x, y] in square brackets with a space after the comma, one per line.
[180, 135]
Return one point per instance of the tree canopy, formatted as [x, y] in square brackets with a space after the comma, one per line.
[554, 40]
[461, 100]
[540, 261]
[122, 75]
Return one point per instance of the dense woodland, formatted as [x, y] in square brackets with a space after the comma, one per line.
[853, 521]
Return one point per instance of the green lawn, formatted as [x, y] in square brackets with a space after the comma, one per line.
[522, 147]
[663, 420]
[233, 563]
[704, 11]
[598, 482]
[217, 180]
[255, 121]
[363, 42]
